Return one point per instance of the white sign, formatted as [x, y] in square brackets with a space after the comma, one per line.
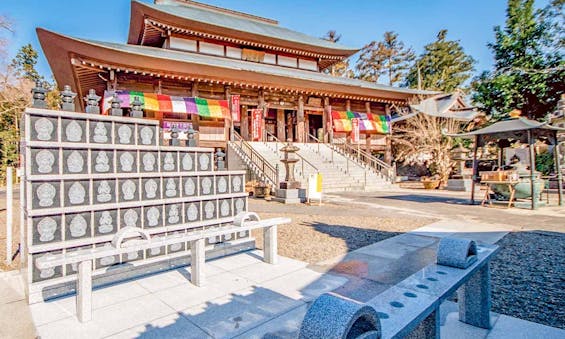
[315, 187]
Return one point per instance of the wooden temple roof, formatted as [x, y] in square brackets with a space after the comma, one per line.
[149, 22]
[84, 63]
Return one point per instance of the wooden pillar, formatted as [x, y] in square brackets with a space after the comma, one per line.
[558, 168]
[244, 123]
[195, 117]
[228, 122]
[281, 124]
[300, 120]
[326, 121]
[348, 108]
[388, 139]
[532, 168]
[474, 177]
[263, 106]
[368, 137]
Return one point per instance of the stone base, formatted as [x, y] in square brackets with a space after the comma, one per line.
[463, 185]
[287, 185]
[290, 196]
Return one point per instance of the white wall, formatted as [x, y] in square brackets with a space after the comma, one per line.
[182, 44]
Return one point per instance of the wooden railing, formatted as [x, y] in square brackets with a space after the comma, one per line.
[265, 170]
[304, 163]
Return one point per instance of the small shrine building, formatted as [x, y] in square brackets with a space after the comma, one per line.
[220, 71]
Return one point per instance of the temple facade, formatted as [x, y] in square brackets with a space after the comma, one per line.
[260, 80]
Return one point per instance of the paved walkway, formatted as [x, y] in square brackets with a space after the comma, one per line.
[248, 298]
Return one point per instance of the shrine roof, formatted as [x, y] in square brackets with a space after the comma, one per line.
[215, 20]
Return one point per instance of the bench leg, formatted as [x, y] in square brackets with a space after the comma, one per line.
[84, 291]
[474, 299]
[270, 245]
[429, 328]
[197, 258]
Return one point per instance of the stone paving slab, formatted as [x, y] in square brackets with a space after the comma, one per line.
[513, 328]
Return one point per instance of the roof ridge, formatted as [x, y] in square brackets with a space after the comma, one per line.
[191, 3]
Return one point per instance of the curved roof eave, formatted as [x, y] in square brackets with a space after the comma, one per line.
[56, 46]
[275, 34]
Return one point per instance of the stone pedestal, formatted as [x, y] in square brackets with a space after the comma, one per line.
[462, 185]
[290, 196]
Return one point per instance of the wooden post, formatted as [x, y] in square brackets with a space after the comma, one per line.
[475, 169]
[388, 139]
[532, 168]
[244, 123]
[9, 212]
[368, 137]
[328, 134]
[348, 108]
[195, 117]
[558, 169]
[263, 106]
[228, 122]
[281, 123]
[300, 120]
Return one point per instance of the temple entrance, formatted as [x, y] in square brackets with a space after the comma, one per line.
[315, 126]
[290, 124]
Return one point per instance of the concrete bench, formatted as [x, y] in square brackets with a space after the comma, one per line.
[131, 239]
[411, 308]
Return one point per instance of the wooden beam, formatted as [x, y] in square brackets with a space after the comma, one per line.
[300, 120]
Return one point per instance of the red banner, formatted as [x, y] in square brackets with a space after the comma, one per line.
[235, 112]
[355, 130]
[256, 117]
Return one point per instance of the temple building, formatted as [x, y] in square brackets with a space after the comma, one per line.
[223, 72]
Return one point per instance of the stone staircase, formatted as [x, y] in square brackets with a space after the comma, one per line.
[339, 172]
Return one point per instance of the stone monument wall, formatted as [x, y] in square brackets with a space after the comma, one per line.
[88, 175]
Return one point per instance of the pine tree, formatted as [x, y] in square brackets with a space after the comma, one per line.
[389, 58]
[339, 69]
[529, 65]
[444, 66]
[24, 63]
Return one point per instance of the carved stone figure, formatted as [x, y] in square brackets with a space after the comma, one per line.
[124, 134]
[239, 205]
[206, 186]
[177, 246]
[102, 162]
[155, 250]
[228, 237]
[148, 162]
[107, 261]
[146, 134]
[173, 214]
[132, 255]
[126, 162]
[46, 229]
[169, 162]
[236, 184]
[45, 160]
[100, 133]
[44, 127]
[151, 189]
[128, 190]
[192, 212]
[105, 223]
[130, 218]
[76, 193]
[73, 131]
[45, 193]
[48, 272]
[78, 226]
[153, 215]
[187, 162]
[75, 162]
[104, 192]
[204, 161]
[224, 208]
[170, 188]
[242, 234]
[209, 209]
[222, 185]
[189, 186]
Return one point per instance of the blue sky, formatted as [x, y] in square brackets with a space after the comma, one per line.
[358, 21]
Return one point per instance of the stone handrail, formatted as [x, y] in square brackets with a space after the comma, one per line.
[302, 159]
[411, 308]
[269, 172]
[367, 159]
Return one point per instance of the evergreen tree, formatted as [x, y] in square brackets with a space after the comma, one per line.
[529, 63]
[389, 57]
[24, 63]
[339, 69]
[444, 66]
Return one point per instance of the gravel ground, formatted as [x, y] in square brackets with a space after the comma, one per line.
[528, 277]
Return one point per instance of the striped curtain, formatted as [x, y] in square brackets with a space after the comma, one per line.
[368, 123]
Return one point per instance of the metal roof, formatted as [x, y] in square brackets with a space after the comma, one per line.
[445, 106]
[511, 125]
[222, 62]
[240, 23]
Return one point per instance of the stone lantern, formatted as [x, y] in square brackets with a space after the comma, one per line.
[92, 100]
[136, 110]
[38, 93]
[289, 160]
[67, 99]
[459, 155]
[175, 136]
[115, 106]
[191, 142]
